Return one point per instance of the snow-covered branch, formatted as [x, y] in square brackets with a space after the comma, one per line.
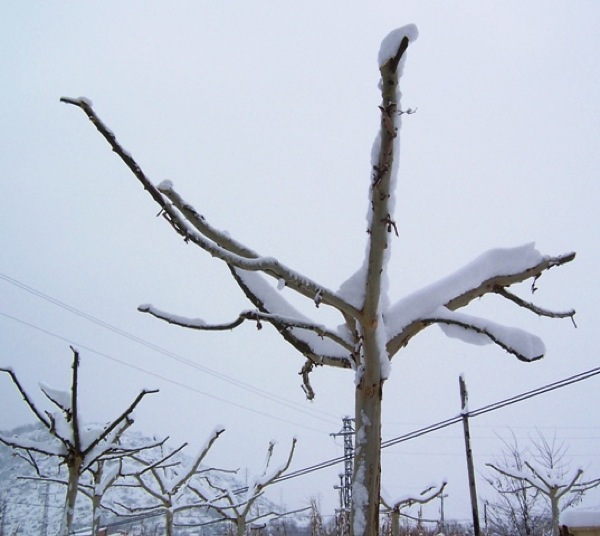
[524, 346]
[490, 273]
[427, 495]
[222, 246]
[165, 480]
[269, 301]
[235, 505]
[278, 321]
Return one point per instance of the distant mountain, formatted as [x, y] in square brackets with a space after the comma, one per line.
[30, 507]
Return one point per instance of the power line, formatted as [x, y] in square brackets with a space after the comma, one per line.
[154, 374]
[327, 463]
[451, 421]
[115, 329]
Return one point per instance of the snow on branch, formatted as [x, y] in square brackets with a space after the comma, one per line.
[490, 273]
[524, 346]
[193, 227]
[335, 350]
[279, 321]
[222, 246]
[427, 495]
[234, 505]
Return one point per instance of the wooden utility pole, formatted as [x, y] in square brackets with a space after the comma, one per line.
[470, 469]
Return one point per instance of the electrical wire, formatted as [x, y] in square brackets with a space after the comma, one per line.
[333, 461]
[450, 421]
[154, 374]
[115, 329]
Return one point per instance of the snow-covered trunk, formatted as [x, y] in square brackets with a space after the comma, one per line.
[555, 511]
[367, 455]
[374, 359]
[74, 463]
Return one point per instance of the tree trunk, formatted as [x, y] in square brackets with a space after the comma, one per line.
[555, 513]
[73, 467]
[241, 526]
[396, 522]
[96, 514]
[366, 482]
[168, 522]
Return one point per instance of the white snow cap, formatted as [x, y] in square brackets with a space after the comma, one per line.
[390, 44]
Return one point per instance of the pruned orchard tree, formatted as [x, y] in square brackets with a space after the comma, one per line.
[235, 505]
[545, 471]
[373, 331]
[77, 445]
[394, 505]
[518, 509]
[166, 481]
[103, 475]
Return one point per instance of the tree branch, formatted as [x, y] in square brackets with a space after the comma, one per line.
[117, 422]
[483, 331]
[236, 254]
[279, 321]
[501, 291]
[506, 280]
[291, 336]
[86, 106]
[489, 285]
[26, 398]
[216, 243]
[424, 497]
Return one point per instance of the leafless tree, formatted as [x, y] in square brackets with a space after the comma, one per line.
[77, 445]
[393, 506]
[236, 506]
[543, 471]
[166, 481]
[518, 510]
[372, 331]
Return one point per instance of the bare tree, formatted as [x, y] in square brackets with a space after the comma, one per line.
[517, 510]
[545, 472]
[394, 506]
[236, 506]
[166, 480]
[373, 332]
[77, 445]
[104, 473]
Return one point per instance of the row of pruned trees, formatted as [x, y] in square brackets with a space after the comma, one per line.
[99, 460]
[533, 485]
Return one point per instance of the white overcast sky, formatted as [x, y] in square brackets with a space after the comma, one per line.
[263, 116]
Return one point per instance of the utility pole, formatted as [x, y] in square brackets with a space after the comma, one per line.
[345, 487]
[464, 411]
